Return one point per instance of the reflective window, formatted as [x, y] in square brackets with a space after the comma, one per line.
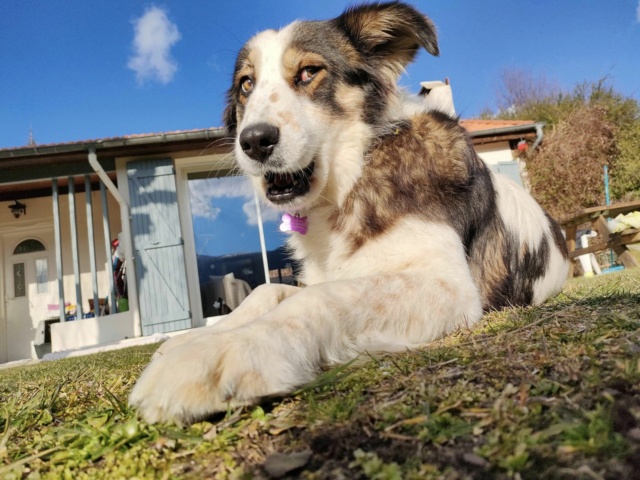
[227, 240]
[42, 275]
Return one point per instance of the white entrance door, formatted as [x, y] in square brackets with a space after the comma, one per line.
[29, 289]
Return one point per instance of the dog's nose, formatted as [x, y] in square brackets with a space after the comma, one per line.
[259, 140]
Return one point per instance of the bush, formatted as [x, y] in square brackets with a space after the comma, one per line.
[586, 129]
[566, 173]
[625, 184]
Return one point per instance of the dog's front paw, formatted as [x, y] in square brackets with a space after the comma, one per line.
[212, 372]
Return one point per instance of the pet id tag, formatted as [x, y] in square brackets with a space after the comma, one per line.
[294, 223]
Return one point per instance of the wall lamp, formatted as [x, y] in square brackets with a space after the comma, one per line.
[18, 209]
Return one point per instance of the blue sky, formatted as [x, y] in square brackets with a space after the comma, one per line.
[68, 68]
[83, 69]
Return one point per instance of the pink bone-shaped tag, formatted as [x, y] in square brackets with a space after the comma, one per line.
[294, 223]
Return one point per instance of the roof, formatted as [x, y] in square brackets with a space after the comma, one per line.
[39, 163]
[474, 125]
[498, 129]
[113, 142]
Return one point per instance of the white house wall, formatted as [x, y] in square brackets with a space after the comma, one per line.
[493, 153]
[18, 336]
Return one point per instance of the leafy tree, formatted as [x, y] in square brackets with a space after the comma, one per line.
[587, 128]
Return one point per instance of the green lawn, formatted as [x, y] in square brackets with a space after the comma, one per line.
[548, 392]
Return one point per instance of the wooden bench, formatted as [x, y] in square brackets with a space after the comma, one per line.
[597, 217]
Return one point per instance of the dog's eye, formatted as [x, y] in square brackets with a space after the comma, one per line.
[307, 73]
[246, 84]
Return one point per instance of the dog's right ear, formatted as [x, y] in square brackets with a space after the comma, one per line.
[388, 34]
[229, 116]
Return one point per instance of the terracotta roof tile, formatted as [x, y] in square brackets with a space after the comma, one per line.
[475, 125]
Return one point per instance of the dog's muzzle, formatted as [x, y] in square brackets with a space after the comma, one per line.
[284, 187]
[258, 141]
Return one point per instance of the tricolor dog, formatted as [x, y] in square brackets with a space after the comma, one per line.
[402, 232]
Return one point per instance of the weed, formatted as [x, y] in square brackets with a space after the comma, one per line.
[551, 391]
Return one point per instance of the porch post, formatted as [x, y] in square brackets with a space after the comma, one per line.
[58, 240]
[126, 237]
[74, 246]
[92, 247]
[263, 248]
[107, 244]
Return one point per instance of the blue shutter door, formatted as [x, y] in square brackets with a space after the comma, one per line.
[158, 246]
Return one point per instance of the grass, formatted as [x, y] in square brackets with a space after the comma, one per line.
[552, 391]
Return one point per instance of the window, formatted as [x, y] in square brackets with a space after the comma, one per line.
[19, 284]
[42, 275]
[29, 246]
[227, 240]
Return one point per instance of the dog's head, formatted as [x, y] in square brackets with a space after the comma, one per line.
[308, 96]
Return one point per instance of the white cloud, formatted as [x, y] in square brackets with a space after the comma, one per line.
[268, 214]
[155, 34]
[200, 208]
[229, 187]
[203, 193]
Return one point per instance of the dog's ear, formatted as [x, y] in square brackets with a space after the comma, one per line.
[389, 34]
[229, 116]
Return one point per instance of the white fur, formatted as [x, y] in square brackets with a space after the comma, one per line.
[401, 289]
[531, 225]
[390, 297]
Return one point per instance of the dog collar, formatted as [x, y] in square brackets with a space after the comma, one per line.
[294, 223]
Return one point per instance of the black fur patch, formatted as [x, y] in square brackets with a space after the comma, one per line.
[428, 168]
[324, 39]
[558, 237]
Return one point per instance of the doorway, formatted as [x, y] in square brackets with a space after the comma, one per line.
[28, 290]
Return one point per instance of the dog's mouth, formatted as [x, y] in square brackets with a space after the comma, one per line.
[284, 187]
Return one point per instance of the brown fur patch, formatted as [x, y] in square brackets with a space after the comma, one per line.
[488, 265]
[274, 97]
[351, 99]
[446, 287]
[393, 32]
[215, 375]
[246, 69]
[251, 381]
[412, 171]
[295, 60]
[558, 237]
[286, 117]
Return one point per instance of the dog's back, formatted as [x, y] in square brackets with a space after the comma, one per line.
[427, 167]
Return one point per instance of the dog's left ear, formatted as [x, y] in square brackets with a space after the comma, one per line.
[389, 34]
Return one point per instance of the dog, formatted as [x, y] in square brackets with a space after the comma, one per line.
[402, 232]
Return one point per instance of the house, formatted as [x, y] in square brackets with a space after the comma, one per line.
[193, 238]
[500, 142]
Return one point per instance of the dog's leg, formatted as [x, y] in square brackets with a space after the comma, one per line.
[321, 324]
[259, 302]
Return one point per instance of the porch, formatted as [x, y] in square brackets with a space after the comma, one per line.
[192, 236]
